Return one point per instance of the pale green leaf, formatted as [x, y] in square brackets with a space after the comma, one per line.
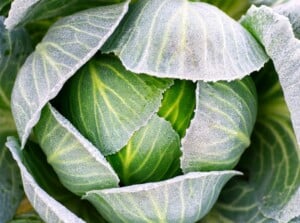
[270, 192]
[79, 165]
[220, 130]
[108, 104]
[233, 8]
[69, 44]
[185, 40]
[14, 48]
[152, 154]
[11, 192]
[32, 10]
[185, 198]
[275, 33]
[49, 209]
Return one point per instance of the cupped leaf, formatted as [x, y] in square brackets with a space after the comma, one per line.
[108, 104]
[185, 40]
[32, 10]
[271, 190]
[78, 164]
[69, 44]
[178, 105]
[275, 32]
[231, 7]
[220, 130]
[49, 209]
[11, 191]
[152, 154]
[14, 47]
[185, 198]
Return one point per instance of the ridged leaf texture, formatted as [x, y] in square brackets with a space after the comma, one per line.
[270, 191]
[275, 33]
[79, 165]
[68, 44]
[48, 208]
[220, 130]
[108, 104]
[185, 198]
[32, 10]
[185, 40]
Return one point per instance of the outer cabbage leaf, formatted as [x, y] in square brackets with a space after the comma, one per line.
[270, 192]
[79, 165]
[14, 47]
[185, 40]
[275, 32]
[49, 209]
[69, 44]
[291, 9]
[42, 186]
[186, 198]
[31, 10]
[221, 128]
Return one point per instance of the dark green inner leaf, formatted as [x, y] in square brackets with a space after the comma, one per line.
[152, 154]
[178, 105]
[108, 104]
[4, 7]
